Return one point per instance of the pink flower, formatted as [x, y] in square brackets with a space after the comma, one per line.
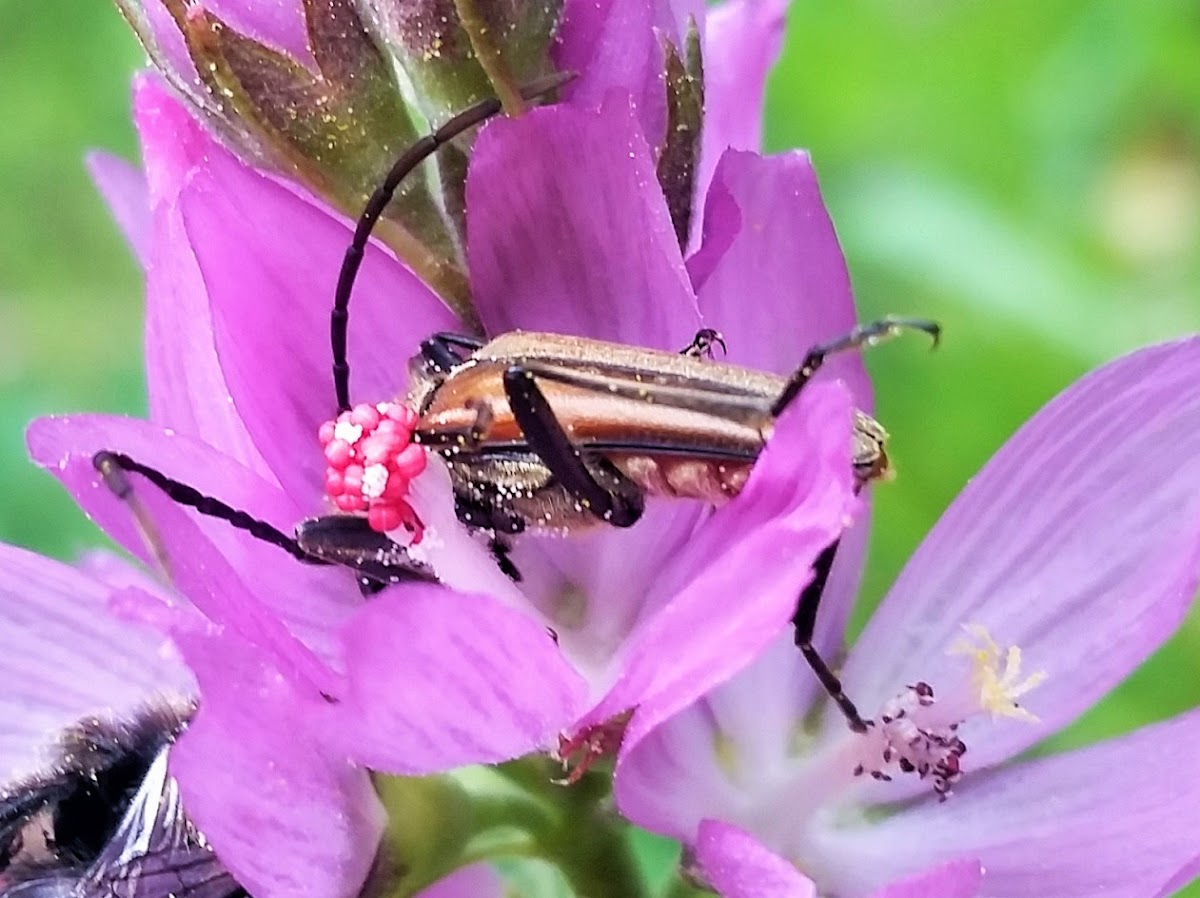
[76, 646]
[568, 230]
[1078, 545]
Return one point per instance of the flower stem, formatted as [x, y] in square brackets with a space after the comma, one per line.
[516, 811]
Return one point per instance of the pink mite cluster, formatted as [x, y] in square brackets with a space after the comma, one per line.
[371, 459]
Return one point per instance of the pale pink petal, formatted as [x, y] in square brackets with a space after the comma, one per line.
[618, 45]
[742, 41]
[955, 879]
[739, 866]
[288, 816]
[476, 881]
[277, 23]
[1116, 819]
[1079, 542]
[64, 657]
[313, 601]
[438, 679]
[269, 261]
[705, 760]
[184, 379]
[123, 187]
[568, 230]
[746, 568]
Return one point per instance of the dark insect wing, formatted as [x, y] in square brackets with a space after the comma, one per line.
[171, 873]
[157, 852]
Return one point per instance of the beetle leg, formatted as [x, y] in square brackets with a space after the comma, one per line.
[468, 437]
[804, 620]
[548, 440]
[348, 540]
[862, 335]
[439, 350]
[702, 344]
[502, 552]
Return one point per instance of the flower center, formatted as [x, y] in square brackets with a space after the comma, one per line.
[916, 733]
[370, 461]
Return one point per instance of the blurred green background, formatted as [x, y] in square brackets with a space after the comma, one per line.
[1027, 172]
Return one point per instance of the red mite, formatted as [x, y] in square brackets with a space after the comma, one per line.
[370, 461]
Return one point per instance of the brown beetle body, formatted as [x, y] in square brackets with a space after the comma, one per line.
[670, 424]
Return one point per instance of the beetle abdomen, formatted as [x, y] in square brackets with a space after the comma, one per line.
[685, 477]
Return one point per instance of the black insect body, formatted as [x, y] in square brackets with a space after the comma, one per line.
[104, 820]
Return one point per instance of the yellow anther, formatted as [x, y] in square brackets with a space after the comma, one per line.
[997, 673]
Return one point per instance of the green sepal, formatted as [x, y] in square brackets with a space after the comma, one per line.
[455, 53]
[685, 116]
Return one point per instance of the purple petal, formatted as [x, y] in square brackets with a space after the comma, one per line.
[476, 881]
[169, 49]
[287, 816]
[770, 254]
[186, 386]
[314, 602]
[568, 230]
[277, 23]
[439, 679]
[956, 879]
[742, 41]
[746, 566]
[123, 187]
[698, 763]
[783, 265]
[1079, 542]
[1184, 875]
[617, 45]
[739, 866]
[1116, 819]
[277, 282]
[589, 564]
[64, 657]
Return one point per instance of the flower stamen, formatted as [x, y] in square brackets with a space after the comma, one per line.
[996, 674]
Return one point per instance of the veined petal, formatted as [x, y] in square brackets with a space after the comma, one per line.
[719, 756]
[1116, 819]
[123, 186]
[287, 815]
[184, 379]
[568, 230]
[476, 881]
[438, 679]
[956, 879]
[1079, 542]
[270, 260]
[313, 602]
[747, 565]
[742, 41]
[739, 866]
[64, 657]
[783, 264]
[617, 44]
[277, 23]
[770, 254]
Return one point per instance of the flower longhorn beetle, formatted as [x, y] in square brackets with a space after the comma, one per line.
[539, 431]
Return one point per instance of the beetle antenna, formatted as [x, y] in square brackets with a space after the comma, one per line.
[113, 466]
[862, 335]
[378, 201]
